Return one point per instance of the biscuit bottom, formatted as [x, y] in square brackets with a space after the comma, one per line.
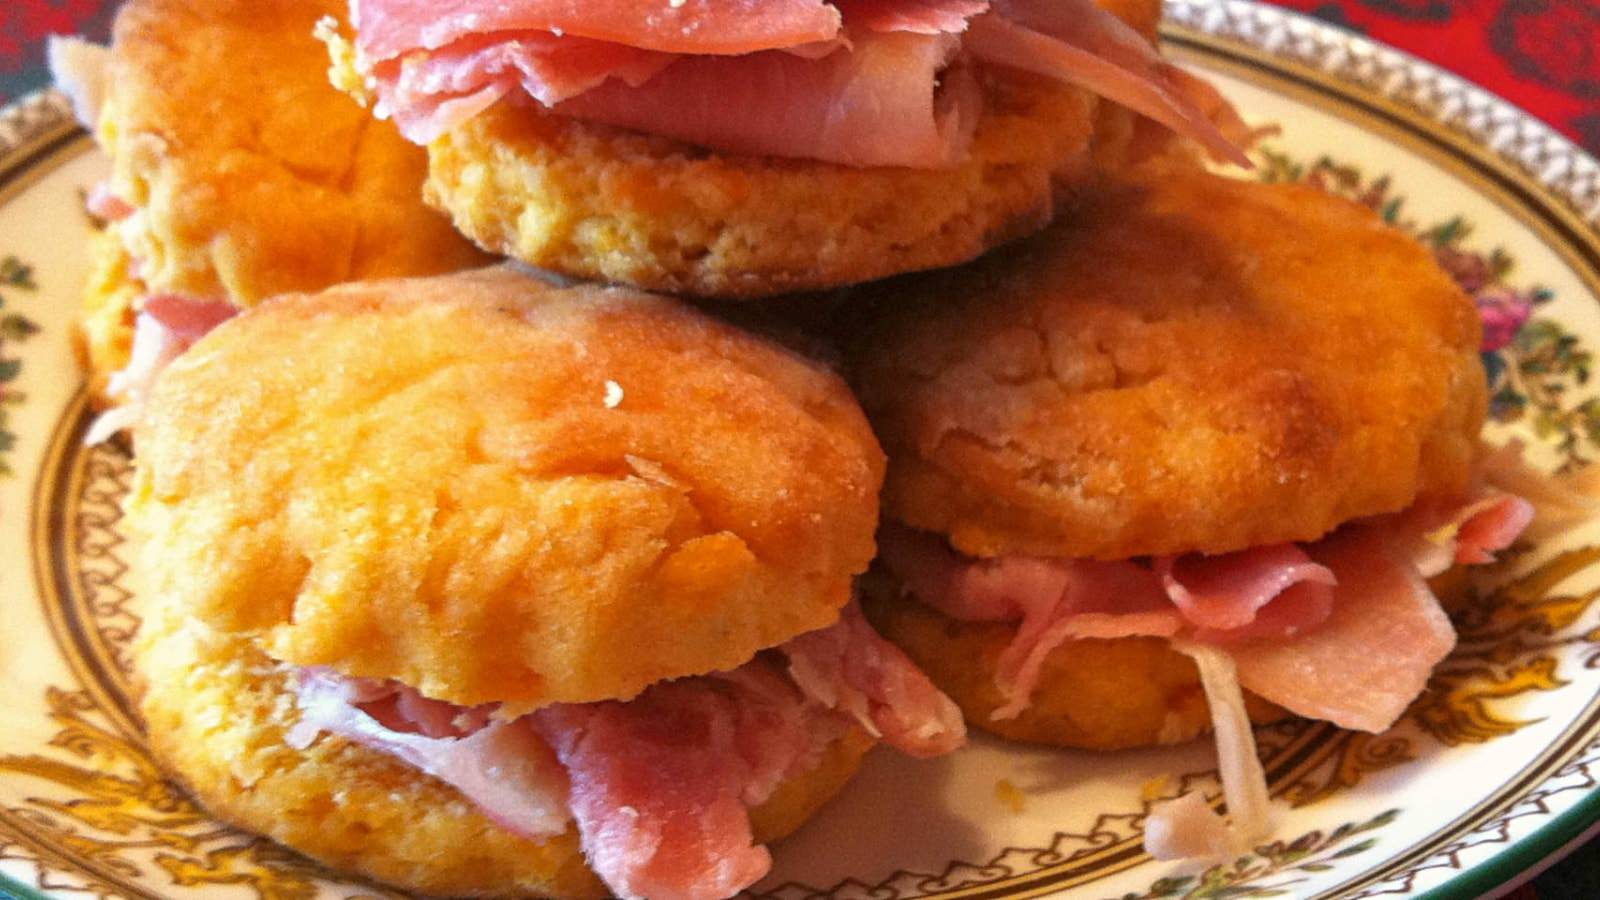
[217, 709]
[1093, 694]
[602, 203]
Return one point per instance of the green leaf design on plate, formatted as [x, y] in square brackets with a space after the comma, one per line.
[15, 328]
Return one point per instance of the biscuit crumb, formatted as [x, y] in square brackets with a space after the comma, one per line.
[1155, 789]
[613, 395]
[1010, 795]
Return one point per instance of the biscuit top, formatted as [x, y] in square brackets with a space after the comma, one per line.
[255, 176]
[492, 489]
[1189, 363]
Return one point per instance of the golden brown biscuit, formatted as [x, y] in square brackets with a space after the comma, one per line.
[1093, 694]
[104, 336]
[473, 484]
[602, 203]
[254, 176]
[218, 708]
[1191, 363]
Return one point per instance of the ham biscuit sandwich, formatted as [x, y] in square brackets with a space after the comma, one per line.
[236, 173]
[1207, 435]
[478, 586]
[735, 149]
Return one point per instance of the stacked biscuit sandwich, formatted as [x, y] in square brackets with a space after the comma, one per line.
[490, 581]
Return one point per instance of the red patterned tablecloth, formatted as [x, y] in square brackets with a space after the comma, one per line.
[1542, 55]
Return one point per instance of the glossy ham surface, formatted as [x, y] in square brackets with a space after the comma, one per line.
[388, 28]
[659, 786]
[855, 82]
[1343, 629]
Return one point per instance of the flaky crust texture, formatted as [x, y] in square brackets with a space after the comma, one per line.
[496, 490]
[1092, 694]
[1191, 363]
[217, 709]
[103, 338]
[254, 175]
[601, 203]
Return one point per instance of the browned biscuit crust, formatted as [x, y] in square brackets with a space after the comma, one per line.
[1191, 363]
[255, 176]
[601, 203]
[495, 490]
[1093, 694]
[217, 709]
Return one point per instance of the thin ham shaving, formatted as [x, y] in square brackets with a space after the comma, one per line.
[918, 16]
[389, 28]
[80, 68]
[659, 786]
[1228, 591]
[1186, 827]
[849, 667]
[1561, 501]
[875, 104]
[784, 80]
[1362, 667]
[1078, 42]
[502, 767]
[164, 329]
[1351, 611]
[1268, 591]
[1244, 781]
[104, 204]
[428, 93]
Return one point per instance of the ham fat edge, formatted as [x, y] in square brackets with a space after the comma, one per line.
[855, 82]
[658, 787]
[1344, 629]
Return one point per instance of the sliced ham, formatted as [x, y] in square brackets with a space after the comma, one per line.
[1269, 591]
[1077, 42]
[388, 28]
[502, 767]
[1362, 667]
[918, 16]
[1344, 629]
[429, 93]
[164, 329]
[850, 667]
[1186, 827]
[1562, 501]
[104, 204]
[858, 82]
[877, 103]
[659, 785]
[1228, 591]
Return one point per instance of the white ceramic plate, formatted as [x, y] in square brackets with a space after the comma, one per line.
[1491, 772]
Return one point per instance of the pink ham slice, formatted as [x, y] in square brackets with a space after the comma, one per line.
[389, 28]
[1267, 591]
[780, 78]
[918, 16]
[430, 93]
[1078, 42]
[1362, 667]
[166, 327]
[1343, 630]
[875, 104]
[503, 767]
[851, 668]
[1228, 592]
[660, 784]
